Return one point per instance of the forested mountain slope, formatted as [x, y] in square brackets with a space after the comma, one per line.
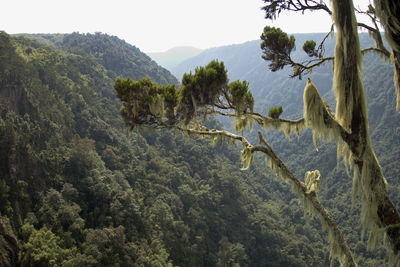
[277, 89]
[78, 189]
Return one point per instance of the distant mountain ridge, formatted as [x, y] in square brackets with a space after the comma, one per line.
[79, 189]
[115, 54]
[244, 62]
[170, 58]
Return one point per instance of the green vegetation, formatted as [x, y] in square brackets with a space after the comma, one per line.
[277, 47]
[348, 126]
[77, 189]
[275, 112]
[274, 88]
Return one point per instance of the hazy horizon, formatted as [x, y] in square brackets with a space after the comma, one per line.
[156, 26]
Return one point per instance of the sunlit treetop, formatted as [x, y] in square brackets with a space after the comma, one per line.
[207, 91]
[277, 46]
[200, 94]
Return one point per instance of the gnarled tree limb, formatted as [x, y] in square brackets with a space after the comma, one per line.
[339, 247]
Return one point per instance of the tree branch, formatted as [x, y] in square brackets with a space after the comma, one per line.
[378, 213]
[285, 125]
[339, 247]
[274, 7]
[257, 117]
[374, 31]
[369, 28]
[385, 53]
[305, 67]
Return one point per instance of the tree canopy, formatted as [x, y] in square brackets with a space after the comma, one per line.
[208, 92]
[103, 196]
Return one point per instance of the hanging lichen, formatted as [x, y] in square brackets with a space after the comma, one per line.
[156, 106]
[396, 79]
[377, 212]
[388, 13]
[247, 158]
[312, 207]
[312, 180]
[241, 122]
[170, 95]
[216, 139]
[347, 82]
[317, 115]
[288, 127]
[374, 191]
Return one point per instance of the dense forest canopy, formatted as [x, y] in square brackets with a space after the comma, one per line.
[207, 92]
[79, 189]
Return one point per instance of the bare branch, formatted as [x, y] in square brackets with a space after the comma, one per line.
[385, 53]
[275, 7]
[367, 27]
[321, 45]
[374, 31]
[307, 67]
[301, 68]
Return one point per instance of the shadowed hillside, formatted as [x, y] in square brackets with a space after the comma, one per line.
[270, 89]
[78, 189]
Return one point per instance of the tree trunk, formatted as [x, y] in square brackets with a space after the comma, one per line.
[388, 13]
[378, 212]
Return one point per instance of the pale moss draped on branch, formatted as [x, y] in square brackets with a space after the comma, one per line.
[388, 12]
[338, 247]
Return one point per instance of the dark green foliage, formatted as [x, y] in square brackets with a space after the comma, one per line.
[145, 102]
[72, 175]
[78, 190]
[117, 56]
[277, 46]
[43, 248]
[241, 97]
[274, 89]
[9, 245]
[273, 8]
[309, 48]
[275, 112]
[139, 97]
[278, 49]
[54, 125]
[201, 88]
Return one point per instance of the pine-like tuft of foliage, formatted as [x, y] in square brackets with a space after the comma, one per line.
[275, 112]
[277, 46]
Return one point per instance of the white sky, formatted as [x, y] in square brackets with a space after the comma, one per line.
[155, 25]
